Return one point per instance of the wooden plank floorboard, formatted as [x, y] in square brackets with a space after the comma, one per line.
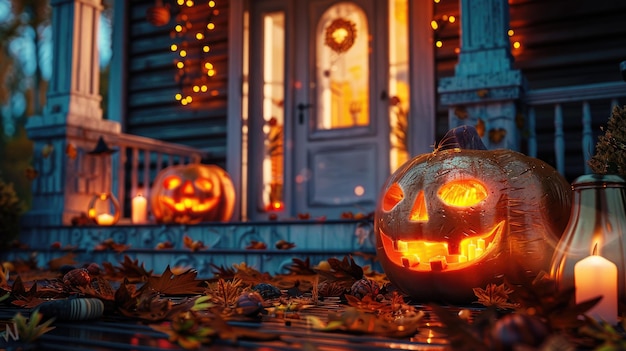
[291, 334]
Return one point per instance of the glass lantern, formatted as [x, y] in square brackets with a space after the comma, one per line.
[104, 209]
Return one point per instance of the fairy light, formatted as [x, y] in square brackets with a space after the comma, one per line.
[440, 21]
[191, 46]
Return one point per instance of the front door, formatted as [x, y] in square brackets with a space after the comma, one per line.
[320, 143]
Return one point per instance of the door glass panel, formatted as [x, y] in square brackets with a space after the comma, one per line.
[273, 111]
[342, 68]
[398, 82]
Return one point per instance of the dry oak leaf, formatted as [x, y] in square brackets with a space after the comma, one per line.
[193, 245]
[150, 306]
[68, 259]
[24, 298]
[256, 245]
[132, 269]
[110, 244]
[170, 284]
[301, 267]
[165, 245]
[496, 296]
[284, 245]
[345, 269]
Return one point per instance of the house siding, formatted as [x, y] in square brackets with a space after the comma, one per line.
[152, 110]
[581, 45]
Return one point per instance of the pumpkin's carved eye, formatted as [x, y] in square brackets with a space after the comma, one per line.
[419, 212]
[204, 184]
[171, 182]
[392, 197]
[462, 193]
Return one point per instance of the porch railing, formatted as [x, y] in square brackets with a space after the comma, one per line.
[140, 159]
[574, 108]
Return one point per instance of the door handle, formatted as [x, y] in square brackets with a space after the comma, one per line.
[301, 107]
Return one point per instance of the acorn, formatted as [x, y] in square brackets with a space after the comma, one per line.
[517, 329]
[77, 277]
[267, 291]
[93, 269]
[250, 303]
[364, 287]
[72, 309]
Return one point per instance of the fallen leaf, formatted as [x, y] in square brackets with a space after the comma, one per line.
[171, 284]
[65, 260]
[193, 245]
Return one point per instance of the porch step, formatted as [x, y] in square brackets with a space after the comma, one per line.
[225, 244]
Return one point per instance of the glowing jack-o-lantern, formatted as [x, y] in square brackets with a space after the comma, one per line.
[458, 218]
[193, 193]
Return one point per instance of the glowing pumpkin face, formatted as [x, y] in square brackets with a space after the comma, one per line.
[191, 194]
[458, 219]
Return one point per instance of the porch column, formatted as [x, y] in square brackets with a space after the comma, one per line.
[485, 88]
[71, 123]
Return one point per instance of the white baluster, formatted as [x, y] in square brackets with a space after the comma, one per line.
[134, 170]
[587, 143]
[121, 176]
[532, 133]
[159, 162]
[146, 172]
[559, 143]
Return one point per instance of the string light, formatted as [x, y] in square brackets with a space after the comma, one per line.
[191, 46]
[439, 23]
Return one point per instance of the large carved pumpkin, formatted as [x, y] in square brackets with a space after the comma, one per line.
[192, 193]
[459, 218]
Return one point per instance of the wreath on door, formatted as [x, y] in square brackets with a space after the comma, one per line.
[340, 35]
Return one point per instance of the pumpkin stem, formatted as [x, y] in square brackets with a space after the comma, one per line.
[462, 137]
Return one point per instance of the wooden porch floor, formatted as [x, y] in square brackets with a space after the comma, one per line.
[330, 324]
[119, 333]
[48, 249]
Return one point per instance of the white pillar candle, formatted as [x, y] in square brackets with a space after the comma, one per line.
[139, 210]
[595, 276]
[105, 219]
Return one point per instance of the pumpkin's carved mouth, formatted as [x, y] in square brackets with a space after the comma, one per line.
[425, 256]
[189, 204]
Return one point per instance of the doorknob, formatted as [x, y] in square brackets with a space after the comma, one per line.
[301, 107]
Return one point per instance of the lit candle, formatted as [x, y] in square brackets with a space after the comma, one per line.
[471, 251]
[139, 210]
[595, 276]
[105, 219]
[480, 245]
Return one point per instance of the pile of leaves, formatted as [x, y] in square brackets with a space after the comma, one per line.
[531, 315]
[193, 312]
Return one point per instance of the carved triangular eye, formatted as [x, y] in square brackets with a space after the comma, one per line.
[462, 193]
[419, 212]
[172, 182]
[204, 184]
[392, 197]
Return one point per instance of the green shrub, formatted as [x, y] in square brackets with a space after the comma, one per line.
[10, 210]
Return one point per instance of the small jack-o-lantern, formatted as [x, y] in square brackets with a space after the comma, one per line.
[458, 219]
[193, 193]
